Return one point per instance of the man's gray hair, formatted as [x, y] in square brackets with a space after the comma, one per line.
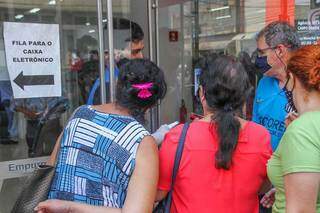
[280, 32]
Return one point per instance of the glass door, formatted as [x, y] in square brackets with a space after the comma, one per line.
[48, 59]
[176, 30]
[191, 32]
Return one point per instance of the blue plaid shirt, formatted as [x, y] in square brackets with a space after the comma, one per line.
[96, 158]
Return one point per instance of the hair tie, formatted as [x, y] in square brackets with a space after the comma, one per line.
[227, 108]
[143, 88]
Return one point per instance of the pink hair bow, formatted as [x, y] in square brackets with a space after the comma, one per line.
[144, 92]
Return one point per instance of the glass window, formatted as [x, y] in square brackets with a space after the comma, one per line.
[212, 27]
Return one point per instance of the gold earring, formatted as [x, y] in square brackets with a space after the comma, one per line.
[306, 98]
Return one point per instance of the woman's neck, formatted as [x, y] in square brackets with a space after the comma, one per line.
[282, 78]
[312, 103]
[112, 108]
[207, 117]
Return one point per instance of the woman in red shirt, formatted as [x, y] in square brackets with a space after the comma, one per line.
[223, 165]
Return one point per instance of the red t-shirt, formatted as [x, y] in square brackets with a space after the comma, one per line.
[200, 186]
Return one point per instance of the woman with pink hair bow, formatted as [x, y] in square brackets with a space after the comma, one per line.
[107, 161]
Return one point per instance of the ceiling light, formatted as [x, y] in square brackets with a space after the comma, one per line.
[88, 23]
[34, 10]
[52, 2]
[19, 16]
[219, 8]
[223, 17]
[104, 20]
[261, 11]
[92, 31]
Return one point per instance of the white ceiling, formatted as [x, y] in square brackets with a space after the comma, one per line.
[73, 5]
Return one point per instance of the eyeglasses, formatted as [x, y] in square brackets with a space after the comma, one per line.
[263, 51]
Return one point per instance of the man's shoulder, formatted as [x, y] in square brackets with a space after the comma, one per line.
[266, 83]
[266, 80]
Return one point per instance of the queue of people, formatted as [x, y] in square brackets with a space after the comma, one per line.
[108, 162]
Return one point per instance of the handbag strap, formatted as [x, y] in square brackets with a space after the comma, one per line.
[176, 165]
[58, 150]
[179, 151]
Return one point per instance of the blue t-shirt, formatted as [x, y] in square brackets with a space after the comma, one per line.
[96, 85]
[269, 108]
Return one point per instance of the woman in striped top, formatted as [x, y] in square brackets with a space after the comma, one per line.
[107, 160]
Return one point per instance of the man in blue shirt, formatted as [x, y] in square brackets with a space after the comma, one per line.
[135, 46]
[94, 96]
[271, 106]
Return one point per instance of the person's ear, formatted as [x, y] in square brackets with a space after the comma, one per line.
[201, 94]
[281, 50]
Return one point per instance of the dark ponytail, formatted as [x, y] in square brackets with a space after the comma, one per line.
[228, 127]
[226, 87]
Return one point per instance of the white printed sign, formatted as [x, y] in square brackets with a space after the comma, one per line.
[33, 59]
[19, 168]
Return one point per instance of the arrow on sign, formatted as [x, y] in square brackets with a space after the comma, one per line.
[33, 80]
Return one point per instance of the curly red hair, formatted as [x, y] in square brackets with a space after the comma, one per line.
[304, 63]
